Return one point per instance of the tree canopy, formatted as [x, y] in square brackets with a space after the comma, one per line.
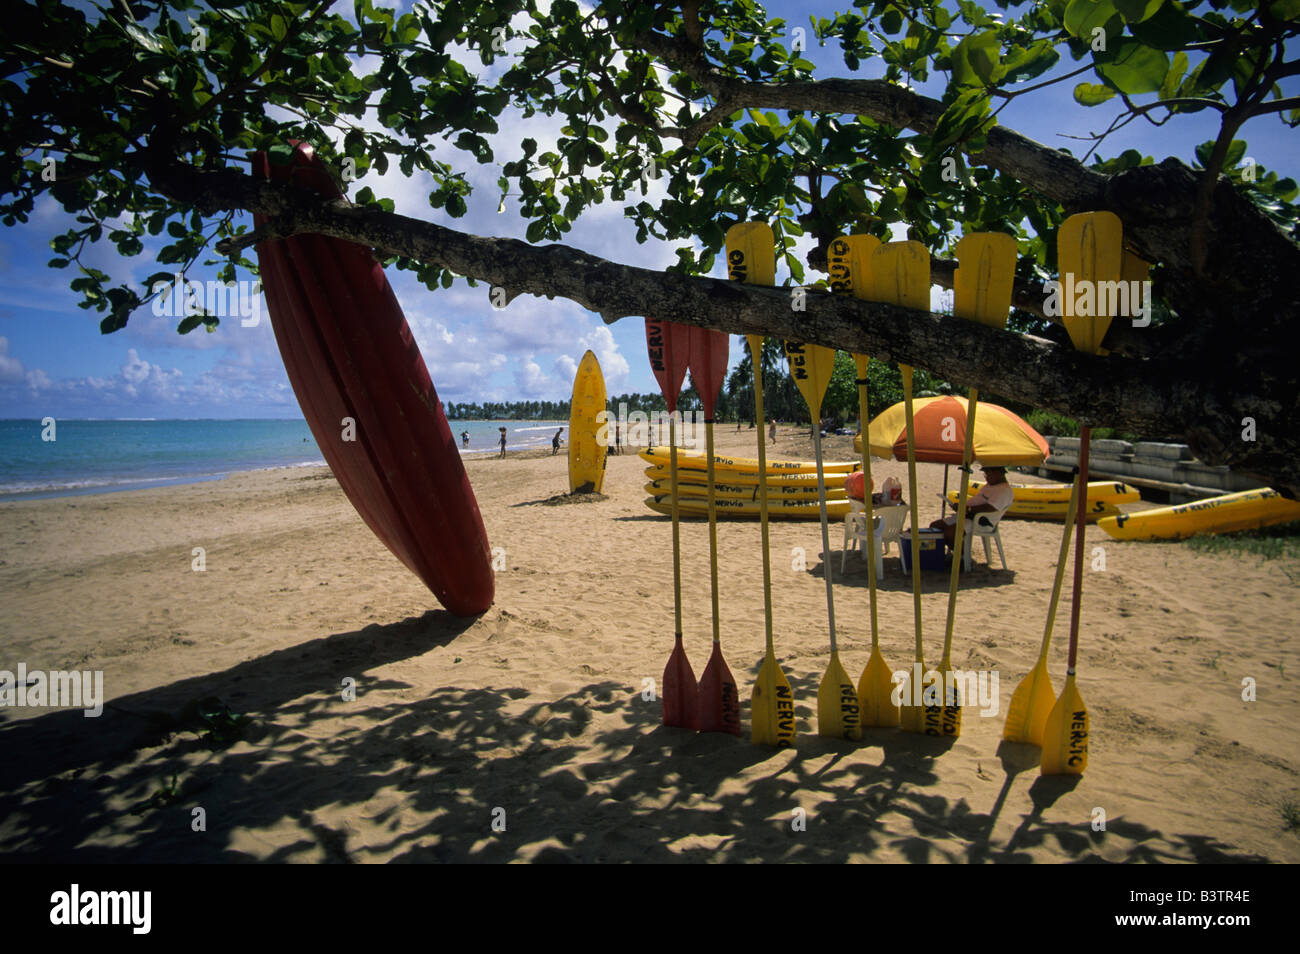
[138, 116]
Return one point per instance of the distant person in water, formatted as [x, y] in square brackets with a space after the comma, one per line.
[555, 442]
[464, 438]
[503, 441]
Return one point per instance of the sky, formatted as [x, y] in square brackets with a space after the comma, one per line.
[54, 361]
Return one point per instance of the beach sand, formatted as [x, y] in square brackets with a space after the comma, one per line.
[533, 715]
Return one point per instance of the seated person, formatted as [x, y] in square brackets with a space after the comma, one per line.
[994, 497]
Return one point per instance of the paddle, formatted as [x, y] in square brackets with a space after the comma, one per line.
[839, 713]
[850, 261]
[668, 346]
[719, 697]
[1090, 249]
[900, 275]
[1033, 699]
[981, 292]
[751, 257]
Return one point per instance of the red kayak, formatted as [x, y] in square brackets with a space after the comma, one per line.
[350, 354]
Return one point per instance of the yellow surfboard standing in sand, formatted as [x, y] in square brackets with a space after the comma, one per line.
[586, 450]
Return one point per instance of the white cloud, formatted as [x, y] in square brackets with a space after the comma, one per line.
[11, 369]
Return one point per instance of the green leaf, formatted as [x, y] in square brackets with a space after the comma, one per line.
[144, 38]
[1092, 94]
[1084, 16]
[1135, 68]
[1136, 11]
[975, 60]
[189, 324]
[1175, 76]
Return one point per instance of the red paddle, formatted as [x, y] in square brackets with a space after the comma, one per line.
[669, 347]
[719, 697]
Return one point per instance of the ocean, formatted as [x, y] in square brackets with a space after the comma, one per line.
[100, 456]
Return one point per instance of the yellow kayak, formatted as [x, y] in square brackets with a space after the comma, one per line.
[778, 509]
[1246, 510]
[687, 489]
[695, 460]
[834, 481]
[1051, 501]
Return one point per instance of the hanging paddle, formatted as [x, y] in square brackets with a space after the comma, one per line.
[668, 346]
[719, 697]
[751, 257]
[839, 713]
[900, 275]
[850, 262]
[1089, 250]
[981, 292]
[1033, 699]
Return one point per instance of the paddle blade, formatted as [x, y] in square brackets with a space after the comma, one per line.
[1089, 251]
[876, 693]
[1065, 737]
[811, 367]
[708, 363]
[943, 714]
[680, 690]
[899, 274]
[1031, 704]
[913, 698]
[719, 697]
[849, 259]
[982, 285]
[839, 714]
[772, 707]
[751, 253]
[668, 345]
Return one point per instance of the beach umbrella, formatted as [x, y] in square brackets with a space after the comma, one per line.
[1002, 438]
[850, 262]
[719, 697]
[981, 292]
[900, 275]
[751, 257]
[1089, 250]
[839, 713]
[668, 345]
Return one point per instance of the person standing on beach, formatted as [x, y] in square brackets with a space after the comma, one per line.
[618, 439]
[555, 442]
[771, 432]
[503, 441]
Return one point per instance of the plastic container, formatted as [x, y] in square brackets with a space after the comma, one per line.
[932, 550]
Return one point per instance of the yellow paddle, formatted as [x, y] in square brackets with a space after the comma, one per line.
[1032, 701]
[850, 261]
[1089, 250]
[900, 275]
[981, 292]
[751, 257]
[839, 714]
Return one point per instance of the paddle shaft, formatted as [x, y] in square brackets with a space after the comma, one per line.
[906, 370]
[959, 529]
[677, 537]
[713, 531]
[1060, 569]
[864, 418]
[756, 356]
[826, 537]
[1085, 438]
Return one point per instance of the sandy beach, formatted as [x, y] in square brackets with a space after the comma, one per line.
[534, 715]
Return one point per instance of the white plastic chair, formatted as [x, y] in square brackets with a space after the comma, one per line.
[984, 526]
[888, 526]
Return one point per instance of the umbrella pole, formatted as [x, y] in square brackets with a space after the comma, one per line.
[944, 512]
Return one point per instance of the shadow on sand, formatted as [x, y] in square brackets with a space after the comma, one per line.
[424, 775]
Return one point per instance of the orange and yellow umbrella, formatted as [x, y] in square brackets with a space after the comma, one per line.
[1001, 437]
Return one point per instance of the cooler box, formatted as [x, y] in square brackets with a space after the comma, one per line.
[932, 550]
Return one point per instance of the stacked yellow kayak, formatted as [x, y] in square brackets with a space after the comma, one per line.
[1247, 510]
[1052, 501]
[791, 486]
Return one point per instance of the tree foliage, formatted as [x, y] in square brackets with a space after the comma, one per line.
[137, 116]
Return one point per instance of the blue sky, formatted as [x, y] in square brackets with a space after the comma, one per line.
[54, 361]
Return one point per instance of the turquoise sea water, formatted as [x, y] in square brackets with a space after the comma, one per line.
[98, 456]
